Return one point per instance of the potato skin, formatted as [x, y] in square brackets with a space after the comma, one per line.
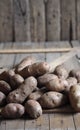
[36, 69]
[5, 75]
[61, 72]
[16, 80]
[25, 62]
[52, 99]
[37, 94]
[57, 85]
[74, 96]
[13, 111]
[75, 73]
[42, 80]
[2, 99]
[33, 108]
[24, 90]
[4, 87]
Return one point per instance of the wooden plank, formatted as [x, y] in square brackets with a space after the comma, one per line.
[6, 24]
[53, 20]
[78, 19]
[37, 20]
[21, 20]
[68, 20]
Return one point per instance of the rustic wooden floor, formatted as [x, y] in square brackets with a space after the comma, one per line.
[55, 121]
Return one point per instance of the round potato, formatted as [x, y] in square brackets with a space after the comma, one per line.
[74, 96]
[57, 85]
[61, 72]
[42, 80]
[16, 80]
[20, 94]
[2, 99]
[13, 111]
[52, 99]
[4, 87]
[33, 108]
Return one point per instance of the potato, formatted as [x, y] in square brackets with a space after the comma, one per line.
[2, 99]
[61, 72]
[33, 108]
[57, 85]
[4, 87]
[52, 99]
[16, 80]
[75, 73]
[25, 62]
[71, 81]
[74, 96]
[42, 80]
[13, 111]
[5, 75]
[20, 94]
[37, 94]
[36, 69]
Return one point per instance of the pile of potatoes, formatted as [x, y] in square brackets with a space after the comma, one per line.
[30, 87]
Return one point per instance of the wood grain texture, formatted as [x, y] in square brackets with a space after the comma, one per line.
[21, 20]
[6, 23]
[68, 19]
[53, 20]
[37, 20]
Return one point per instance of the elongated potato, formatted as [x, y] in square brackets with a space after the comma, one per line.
[74, 96]
[16, 80]
[5, 75]
[75, 73]
[52, 100]
[42, 80]
[61, 72]
[25, 62]
[20, 94]
[36, 69]
[37, 94]
[13, 111]
[33, 108]
[57, 85]
[2, 99]
[4, 87]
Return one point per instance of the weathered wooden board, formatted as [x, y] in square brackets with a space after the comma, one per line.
[52, 20]
[68, 19]
[6, 24]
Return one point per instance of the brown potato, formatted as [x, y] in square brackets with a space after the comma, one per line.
[12, 111]
[75, 73]
[25, 62]
[5, 75]
[4, 87]
[36, 69]
[57, 85]
[2, 99]
[20, 94]
[71, 81]
[37, 94]
[16, 80]
[52, 100]
[42, 80]
[33, 108]
[74, 96]
[61, 72]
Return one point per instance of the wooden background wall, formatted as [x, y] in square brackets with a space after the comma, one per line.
[39, 20]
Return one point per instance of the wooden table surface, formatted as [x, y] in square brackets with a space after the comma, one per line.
[54, 121]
